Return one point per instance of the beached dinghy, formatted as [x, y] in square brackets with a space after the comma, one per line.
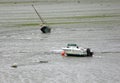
[74, 50]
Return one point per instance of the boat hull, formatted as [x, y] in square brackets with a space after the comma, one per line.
[77, 52]
[78, 55]
[81, 55]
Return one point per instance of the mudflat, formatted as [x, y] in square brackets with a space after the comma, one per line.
[94, 25]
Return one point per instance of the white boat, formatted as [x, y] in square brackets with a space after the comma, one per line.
[74, 50]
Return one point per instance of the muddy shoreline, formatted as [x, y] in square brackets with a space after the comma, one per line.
[89, 25]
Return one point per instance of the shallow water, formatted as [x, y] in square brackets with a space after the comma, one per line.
[26, 46]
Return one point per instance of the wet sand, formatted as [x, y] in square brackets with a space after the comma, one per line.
[92, 25]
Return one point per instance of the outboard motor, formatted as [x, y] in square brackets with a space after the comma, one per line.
[89, 53]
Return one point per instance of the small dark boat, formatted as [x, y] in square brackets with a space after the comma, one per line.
[45, 29]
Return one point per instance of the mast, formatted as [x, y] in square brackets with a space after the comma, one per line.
[43, 22]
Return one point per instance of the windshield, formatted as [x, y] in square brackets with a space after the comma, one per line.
[71, 45]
